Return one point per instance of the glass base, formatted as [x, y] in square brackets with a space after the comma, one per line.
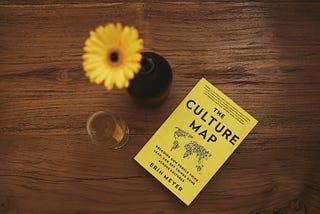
[107, 128]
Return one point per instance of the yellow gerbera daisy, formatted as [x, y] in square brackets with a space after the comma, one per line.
[112, 55]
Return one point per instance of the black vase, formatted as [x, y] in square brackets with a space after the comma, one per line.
[151, 86]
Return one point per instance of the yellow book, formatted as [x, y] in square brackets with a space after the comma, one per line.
[195, 140]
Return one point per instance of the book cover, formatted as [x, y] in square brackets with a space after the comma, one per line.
[195, 140]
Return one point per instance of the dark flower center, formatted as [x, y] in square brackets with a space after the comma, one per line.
[114, 56]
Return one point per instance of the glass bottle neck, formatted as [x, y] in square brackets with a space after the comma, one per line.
[147, 66]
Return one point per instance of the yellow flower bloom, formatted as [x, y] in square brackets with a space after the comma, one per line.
[112, 55]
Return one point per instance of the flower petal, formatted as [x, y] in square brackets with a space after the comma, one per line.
[134, 58]
[134, 47]
[92, 48]
[119, 79]
[129, 74]
[108, 82]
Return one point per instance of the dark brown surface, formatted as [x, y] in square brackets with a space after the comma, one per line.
[265, 56]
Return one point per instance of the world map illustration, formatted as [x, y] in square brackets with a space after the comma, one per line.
[191, 148]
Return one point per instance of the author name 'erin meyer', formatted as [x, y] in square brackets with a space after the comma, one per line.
[166, 177]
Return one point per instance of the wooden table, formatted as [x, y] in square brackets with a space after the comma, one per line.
[265, 56]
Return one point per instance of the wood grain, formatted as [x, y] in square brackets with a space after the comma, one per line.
[265, 56]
